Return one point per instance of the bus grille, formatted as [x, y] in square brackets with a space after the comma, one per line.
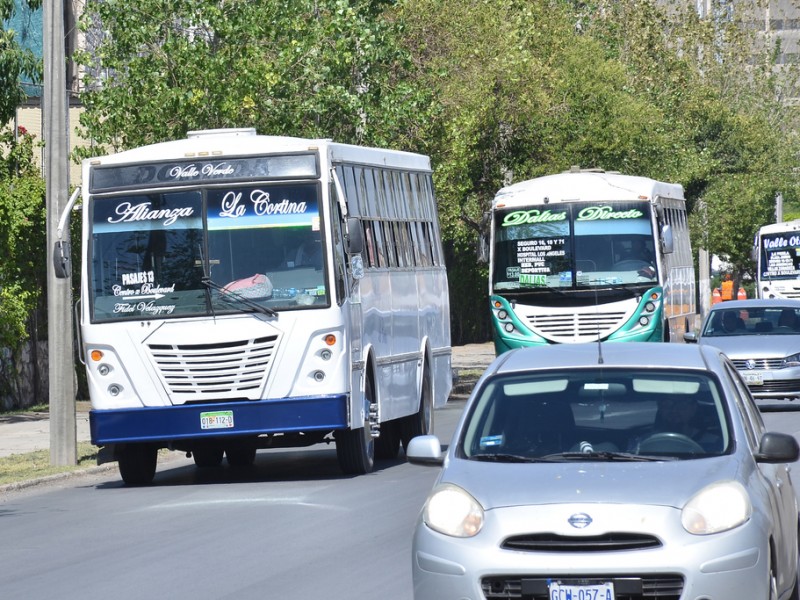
[573, 327]
[228, 368]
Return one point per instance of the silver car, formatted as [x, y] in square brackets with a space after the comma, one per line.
[626, 471]
[762, 338]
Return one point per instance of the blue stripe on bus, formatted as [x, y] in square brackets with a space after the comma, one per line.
[163, 423]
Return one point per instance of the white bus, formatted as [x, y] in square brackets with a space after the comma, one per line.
[776, 251]
[242, 291]
[589, 255]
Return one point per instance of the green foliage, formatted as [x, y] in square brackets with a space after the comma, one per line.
[323, 68]
[16, 64]
[495, 91]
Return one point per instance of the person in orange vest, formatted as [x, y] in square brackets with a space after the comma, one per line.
[726, 288]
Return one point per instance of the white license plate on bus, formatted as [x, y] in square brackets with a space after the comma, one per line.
[753, 378]
[221, 419]
[598, 591]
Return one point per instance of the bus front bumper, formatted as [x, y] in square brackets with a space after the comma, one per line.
[217, 420]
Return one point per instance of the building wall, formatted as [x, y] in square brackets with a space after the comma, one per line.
[31, 118]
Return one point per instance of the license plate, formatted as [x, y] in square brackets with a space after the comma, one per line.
[599, 591]
[753, 378]
[221, 419]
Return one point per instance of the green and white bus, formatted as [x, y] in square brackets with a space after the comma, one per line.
[589, 255]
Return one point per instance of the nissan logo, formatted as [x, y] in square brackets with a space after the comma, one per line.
[750, 364]
[580, 520]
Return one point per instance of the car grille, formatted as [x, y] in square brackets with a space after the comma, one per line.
[762, 364]
[626, 587]
[573, 327]
[790, 387]
[563, 543]
[229, 368]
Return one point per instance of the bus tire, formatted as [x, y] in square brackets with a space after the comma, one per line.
[421, 422]
[387, 445]
[137, 463]
[355, 448]
[241, 453]
[208, 456]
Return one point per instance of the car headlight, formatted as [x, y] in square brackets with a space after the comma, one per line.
[792, 361]
[452, 511]
[718, 507]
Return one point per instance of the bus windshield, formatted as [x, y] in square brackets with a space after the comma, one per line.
[780, 255]
[574, 246]
[206, 251]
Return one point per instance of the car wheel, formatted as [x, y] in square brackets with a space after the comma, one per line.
[137, 463]
[421, 422]
[355, 448]
[208, 456]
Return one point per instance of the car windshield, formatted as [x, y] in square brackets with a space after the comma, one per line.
[608, 414]
[777, 320]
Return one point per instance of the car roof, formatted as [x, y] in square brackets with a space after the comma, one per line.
[756, 303]
[627, 354]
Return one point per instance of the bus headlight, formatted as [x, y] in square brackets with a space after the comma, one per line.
[104, 369]
[114, 389]
[326, 354]
[650, 307]
[502, 315]
[644, 320]
[319, 376]
[509, 327]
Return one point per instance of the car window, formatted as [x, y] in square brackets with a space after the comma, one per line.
[775, 320]
[750, 415]
[655, 413]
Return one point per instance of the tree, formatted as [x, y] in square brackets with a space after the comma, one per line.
[312, 68]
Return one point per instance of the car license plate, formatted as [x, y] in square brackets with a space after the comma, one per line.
[221, 419]
[753, 378]
[599, 591]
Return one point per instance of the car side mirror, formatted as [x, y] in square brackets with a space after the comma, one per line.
[690, 337]
[425, 450]
[777, 448]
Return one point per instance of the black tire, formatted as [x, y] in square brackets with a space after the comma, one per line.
[421, 422]
[137, 463]
[241, 453]
[387, 445]
[208, 456]
[355, 448]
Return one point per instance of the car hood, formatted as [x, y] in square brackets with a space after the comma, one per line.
[668, 483]
[755, 346]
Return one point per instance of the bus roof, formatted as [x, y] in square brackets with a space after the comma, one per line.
[779, 227]
[589, 185]
[245, 141]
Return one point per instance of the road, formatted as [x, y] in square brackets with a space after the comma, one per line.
[292, 527]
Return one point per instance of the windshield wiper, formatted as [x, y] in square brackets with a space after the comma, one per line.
[607, 455]
[517, 458]
[228, 295]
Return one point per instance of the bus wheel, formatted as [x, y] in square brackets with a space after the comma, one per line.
[208, 455]
[241, 453]
[421, 422]
[355, 448]
[137, 463]
[387, 445]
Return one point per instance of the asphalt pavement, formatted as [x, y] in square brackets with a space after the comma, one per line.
[28, 432]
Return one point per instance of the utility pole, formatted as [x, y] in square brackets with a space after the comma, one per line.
[63, 428]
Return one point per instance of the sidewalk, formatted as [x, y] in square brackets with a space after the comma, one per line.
[27, 432]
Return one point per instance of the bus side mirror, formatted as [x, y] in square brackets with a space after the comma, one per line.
[62, 263]
[355, 239]
[667, 241]
[754, 254]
